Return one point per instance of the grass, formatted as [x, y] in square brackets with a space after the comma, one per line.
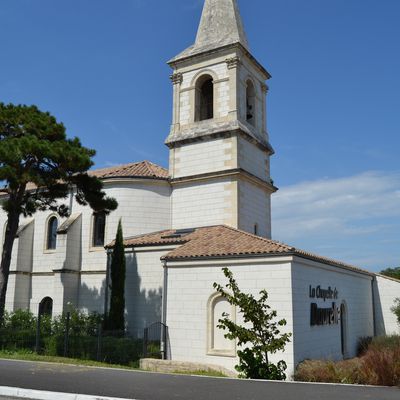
[26, 355]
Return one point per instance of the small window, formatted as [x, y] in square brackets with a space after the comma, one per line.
[204, 98]
[52, 227]
[99, 228]
[46, 307]
[250, 103]
[256, 229]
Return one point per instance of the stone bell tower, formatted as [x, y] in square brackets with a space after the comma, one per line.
[219, 145]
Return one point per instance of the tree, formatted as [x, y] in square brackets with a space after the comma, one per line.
[396, 309]
[259, 330]
[39, 166]
[116, 317]
[392, 272]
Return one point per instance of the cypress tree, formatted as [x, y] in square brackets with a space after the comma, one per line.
[116, 315]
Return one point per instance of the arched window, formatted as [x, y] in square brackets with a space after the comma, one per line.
[204, 98]
[99, 228]
[52, 226]
[217, 343]
[46, 306]
[250, 103]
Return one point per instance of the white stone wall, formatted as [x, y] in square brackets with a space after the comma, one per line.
[73, 254]
[91, 293]
[252, 159]
[43, 286]
[143, 288]
[203, 157]
[144, 206]
[385, 292]
[203, 203]
[188, 292]
[254, 208]
[324, 342]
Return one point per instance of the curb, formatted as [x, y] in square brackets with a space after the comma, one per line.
[42, 395]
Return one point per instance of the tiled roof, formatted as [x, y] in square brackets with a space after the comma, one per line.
[143, 169]
[222, 241]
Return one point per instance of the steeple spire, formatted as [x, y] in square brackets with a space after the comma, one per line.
[220, 25]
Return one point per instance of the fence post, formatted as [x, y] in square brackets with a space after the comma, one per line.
[164, 342]
[99, 334]
[37, 344]
[66, 335]
[145, 338]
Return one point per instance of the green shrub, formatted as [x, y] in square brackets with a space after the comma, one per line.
[20, 320]
[396, 309]
[19, 333]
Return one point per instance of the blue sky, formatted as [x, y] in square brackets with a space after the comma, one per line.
[333, 109]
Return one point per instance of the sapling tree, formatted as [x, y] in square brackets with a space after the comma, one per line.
[260, 334]
[115, 320]
[396, 309]
[39, 166]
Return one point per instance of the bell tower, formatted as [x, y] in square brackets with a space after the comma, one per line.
[219, 144]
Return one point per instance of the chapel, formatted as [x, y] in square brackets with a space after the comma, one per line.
[210, 209]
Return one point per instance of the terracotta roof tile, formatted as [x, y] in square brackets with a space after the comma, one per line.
[222, 241]
[143, 169]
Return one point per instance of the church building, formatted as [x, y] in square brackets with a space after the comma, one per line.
[211, 209]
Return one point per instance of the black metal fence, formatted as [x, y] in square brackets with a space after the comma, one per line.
[66, 337]
[80, 336]
[155, 341]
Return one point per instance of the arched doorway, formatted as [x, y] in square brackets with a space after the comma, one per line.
[46, 307]
[343, 328]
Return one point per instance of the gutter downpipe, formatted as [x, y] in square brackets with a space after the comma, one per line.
[164, 346]
[373, 303]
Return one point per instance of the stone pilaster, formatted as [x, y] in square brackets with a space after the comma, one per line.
[176, 79]
[233, 65]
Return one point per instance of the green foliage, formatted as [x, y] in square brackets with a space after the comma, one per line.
[80, 323]
[396, 309]
[18, 333]
[116, 316]
[34, 149]
[260, 330]
[392, 272]
[39, 165]
[18, 330]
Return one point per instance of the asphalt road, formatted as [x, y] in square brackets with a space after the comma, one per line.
[149, 386]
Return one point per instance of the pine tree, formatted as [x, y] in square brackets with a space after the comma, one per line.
[116, 316]
[39, 166]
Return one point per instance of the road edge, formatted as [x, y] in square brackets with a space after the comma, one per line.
[45, 395]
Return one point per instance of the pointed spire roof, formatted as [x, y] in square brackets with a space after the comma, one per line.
[220, 25]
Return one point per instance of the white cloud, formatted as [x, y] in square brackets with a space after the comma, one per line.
[349, 215]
